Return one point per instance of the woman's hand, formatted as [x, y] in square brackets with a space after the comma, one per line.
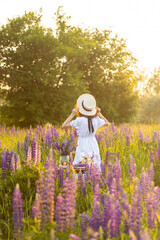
[98, 110]
[75, 110]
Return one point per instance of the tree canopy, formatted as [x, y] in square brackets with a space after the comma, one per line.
[43, 71]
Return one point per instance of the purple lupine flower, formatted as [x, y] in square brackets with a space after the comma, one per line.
[113, 188]
[44, 204]
[127, 140]
[29, 156]
[65, 147]
[69, 193]
[117, 174]
[107, 212]
[140, 135]
[154, 136]
[84, 223]
[4, 164]
[48, 137]
[17, 212]
[156, 191]
[60, 213]
[12, 165]
[34, 150]
[48, 191]
[156, 156]
[94, 174]
[18, 147]
[26, 142]
[103, 172]
[72, 136]
[39, 192]
[135, 216]
[97, 194]
[8, 158]
[56, 134]
[113, 128]
[18, 163]
[129, 130]
[147, 139]
[81, 183]
[151, 157]
[152, 209]
[115, 220]
[39, 155]
[36, 208]
[75, 132]
[159, 150]
[132, 168]
[151, 172]
[145, 184]
[66, 211]
[99, 136]
[126, 212]
[15, 157]
[112, 216]
[110, 173]
[50, 194]
[95, 220]
[80, 179]
[122, 130]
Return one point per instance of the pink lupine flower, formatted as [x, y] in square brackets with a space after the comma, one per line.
[36, 208]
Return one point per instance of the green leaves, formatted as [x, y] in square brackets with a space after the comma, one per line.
[45, 71]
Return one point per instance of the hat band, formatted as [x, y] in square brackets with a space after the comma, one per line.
[84, 107]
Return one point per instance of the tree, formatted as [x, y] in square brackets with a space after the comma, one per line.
[45, 71]
[32, 69]
[149, 110]
[153, 85]
[105, 65]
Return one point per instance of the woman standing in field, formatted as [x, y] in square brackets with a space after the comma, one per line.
[88, 121]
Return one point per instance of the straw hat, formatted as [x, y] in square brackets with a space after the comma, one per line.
[86, 104]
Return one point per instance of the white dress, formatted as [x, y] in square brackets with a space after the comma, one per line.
[87, 145]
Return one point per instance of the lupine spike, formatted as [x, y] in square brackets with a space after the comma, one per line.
[135, 222]
[132, 168]
[17, 212]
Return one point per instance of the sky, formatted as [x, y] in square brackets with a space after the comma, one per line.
[137, 21]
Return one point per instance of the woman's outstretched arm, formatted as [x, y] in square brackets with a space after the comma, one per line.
[102, 117]
[67, 121]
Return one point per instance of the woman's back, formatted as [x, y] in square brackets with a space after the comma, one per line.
[81, 125]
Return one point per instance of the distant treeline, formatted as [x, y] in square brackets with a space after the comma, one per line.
[43, 71]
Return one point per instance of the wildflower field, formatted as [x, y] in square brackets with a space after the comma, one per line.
[40, 200]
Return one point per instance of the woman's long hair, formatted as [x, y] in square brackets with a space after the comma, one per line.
[90, 124]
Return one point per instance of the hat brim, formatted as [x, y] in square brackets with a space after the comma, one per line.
[81, 109]
[88, 113]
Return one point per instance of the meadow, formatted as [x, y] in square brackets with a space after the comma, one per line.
[40, 200]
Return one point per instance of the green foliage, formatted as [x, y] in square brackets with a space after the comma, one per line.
[45, 71]
[157, 174]
[149, 109]
[26, 177]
